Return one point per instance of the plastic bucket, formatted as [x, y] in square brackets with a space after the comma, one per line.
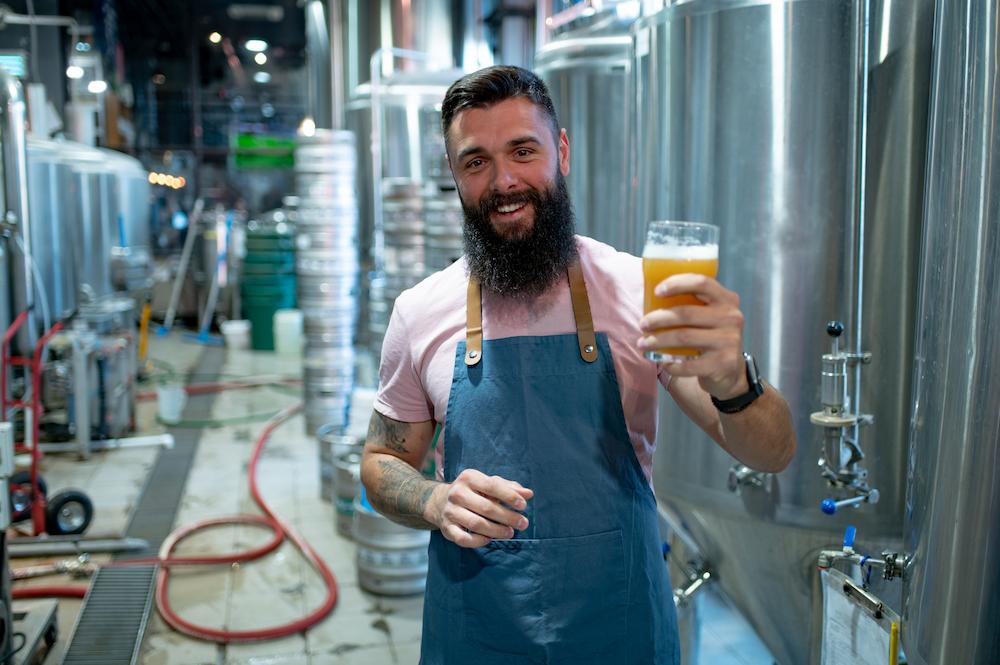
[288, 331]
[236, 333]
[170, 400]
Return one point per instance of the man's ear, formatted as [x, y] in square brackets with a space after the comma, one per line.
[563, 152]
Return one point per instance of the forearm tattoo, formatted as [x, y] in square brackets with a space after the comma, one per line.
[388, 432]
[402, 493]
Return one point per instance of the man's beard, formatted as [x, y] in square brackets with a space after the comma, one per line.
[525, 265]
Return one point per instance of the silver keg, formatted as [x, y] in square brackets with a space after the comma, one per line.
[346, 485]
[333, 443]
[391, 558]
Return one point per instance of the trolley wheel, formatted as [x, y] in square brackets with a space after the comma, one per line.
[68, 512]
[20, 494]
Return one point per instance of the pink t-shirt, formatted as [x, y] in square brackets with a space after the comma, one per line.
[428, 321]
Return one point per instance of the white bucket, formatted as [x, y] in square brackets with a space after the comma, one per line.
[288, 331]
[170, 400]
[236, 333]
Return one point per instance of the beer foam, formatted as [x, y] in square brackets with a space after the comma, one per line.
[682, 252]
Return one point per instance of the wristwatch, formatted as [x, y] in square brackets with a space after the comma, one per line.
[740, 402]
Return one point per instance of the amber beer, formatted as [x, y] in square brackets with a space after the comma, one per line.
[673, 248]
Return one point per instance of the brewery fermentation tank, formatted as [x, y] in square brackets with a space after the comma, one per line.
[952, 607]
[586, 73]
[55, 227]
[802, 135]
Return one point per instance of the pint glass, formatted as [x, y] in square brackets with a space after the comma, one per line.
[673, 248]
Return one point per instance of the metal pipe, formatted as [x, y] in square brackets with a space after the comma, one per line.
[860, 207]
[337, 86]
[13, 18]
[15, 198]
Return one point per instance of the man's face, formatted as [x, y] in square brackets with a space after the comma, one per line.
[501, 156]
[518, 231]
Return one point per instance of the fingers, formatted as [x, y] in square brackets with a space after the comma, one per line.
[703, 339]
[694, 316]
[478, 509]
[706, 288]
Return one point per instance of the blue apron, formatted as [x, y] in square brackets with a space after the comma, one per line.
[586, 582]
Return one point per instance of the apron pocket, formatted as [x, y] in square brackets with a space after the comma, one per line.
[557, 600]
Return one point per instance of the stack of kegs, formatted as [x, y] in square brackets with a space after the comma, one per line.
[443, 219]
[327, 267]
[402, 253]
[268, 282]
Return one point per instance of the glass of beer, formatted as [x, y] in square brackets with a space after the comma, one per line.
[673, 248]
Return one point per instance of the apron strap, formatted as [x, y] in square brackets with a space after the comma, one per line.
[581, 313]
[473, 324]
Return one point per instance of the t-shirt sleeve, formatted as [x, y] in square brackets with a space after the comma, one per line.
[401, 395]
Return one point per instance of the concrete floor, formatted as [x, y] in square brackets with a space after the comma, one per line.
[363, 629]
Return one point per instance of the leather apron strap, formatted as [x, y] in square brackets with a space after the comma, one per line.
[585, 335]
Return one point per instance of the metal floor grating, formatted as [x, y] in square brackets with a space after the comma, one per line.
[113, 617]
[112, 620]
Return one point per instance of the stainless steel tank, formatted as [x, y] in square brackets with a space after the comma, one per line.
[131, 252]
[89, 193]
[586, 73]
[802, 136]
[952, 602]
[54, 218]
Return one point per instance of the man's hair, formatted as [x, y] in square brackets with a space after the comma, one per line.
[493, 85]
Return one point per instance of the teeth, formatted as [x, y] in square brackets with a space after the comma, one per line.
[510, 207]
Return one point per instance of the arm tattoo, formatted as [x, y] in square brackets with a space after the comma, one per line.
[388, 432]
[402, 493]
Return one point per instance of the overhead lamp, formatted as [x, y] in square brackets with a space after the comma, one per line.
[262, 77]
[260, 58]
[74, 72]
[256, 45]
[215, 38]
[307, 127]
[97, 86]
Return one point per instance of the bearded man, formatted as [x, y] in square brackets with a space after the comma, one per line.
[528, 352]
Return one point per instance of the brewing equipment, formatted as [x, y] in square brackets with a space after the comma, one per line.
[799, 129]
[952, 609]
[585, 67]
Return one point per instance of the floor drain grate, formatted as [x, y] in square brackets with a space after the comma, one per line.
[113, 618]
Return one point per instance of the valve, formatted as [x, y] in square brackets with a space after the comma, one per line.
[831, 506]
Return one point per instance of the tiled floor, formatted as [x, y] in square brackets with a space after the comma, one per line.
[363, 629]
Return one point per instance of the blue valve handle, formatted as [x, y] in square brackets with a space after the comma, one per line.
[830, 506]
[849, 534]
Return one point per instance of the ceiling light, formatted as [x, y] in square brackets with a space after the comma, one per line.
[74, 72]
[256, 45]
[215, 38]
[262, 77]
[308, 127]
[97, 86]
[260, 59]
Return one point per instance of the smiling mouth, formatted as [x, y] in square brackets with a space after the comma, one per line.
[508, 211]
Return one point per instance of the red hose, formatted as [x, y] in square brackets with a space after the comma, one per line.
[281, 528]
[49, 592]
[166, 561]
[202, 388]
